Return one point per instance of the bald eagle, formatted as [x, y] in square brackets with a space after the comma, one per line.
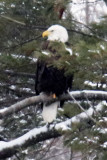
[50, 79]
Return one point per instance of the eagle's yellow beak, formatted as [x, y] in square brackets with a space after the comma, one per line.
[45, 34]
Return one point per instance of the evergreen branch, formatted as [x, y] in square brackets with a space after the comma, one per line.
[75, 31]
[82, 108]
[78, 95]
[18, 91]
[7, 149]
[21, 92]
[44, 28]
[69, 30]
[88, 35]
[22, 43]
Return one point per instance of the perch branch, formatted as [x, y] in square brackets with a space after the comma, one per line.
[78, 95]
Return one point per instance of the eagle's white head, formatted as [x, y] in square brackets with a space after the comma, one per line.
[56, 33]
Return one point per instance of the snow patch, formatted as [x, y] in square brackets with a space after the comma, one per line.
[45, 53]
[23, 121]
[69, 50]
[104, 145]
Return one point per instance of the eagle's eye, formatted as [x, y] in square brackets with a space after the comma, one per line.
[52, 30]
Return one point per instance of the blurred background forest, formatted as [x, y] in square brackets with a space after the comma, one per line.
[21, 25]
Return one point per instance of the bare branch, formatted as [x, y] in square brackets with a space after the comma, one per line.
[19, 106]
[76, 3]
[13, 20]
[78, 95]
[22, 43]
[36, 135]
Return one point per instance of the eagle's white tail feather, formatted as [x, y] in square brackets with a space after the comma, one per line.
[49, 112]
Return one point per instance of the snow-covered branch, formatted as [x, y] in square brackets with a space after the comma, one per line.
[78, 95]
[36, 135]
[19, 106]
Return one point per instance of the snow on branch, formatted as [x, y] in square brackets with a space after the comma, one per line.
[78, 95]
[19, 106]
[36, 135]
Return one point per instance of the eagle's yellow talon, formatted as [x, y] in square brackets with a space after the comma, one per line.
[54, 95]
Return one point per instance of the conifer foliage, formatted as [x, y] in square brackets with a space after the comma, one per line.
[21, 25]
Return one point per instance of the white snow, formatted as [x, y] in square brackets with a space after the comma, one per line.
[104, 145]
[12, 5]
[16, 56]
[66, 125]
[99, 107]
[45, 53]
[12, 87]
[75, 139]
[93, 84]
[69, 50]
[104, 118]
[26, 89]
[102, 47]
[23, 121]
[1, 129]
[22, 139]
[3, 110]
[104, 131]
[95, 10]
[63, 125]
[73, 93]
[89, 112]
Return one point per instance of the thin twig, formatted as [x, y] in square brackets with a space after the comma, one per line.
[22, 43]
[77, 3]
[13, 20]
[82, 108]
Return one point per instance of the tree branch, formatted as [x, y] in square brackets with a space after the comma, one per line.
[39, 27]
[22, 43]
[78, 95]
[36, 135]
[13, 20]
[19, 106]
[82, 108]
[76, 3]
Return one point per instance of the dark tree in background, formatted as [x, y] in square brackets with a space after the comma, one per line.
[21, 25]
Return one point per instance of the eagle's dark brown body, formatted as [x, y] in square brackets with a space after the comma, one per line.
[51, 80]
